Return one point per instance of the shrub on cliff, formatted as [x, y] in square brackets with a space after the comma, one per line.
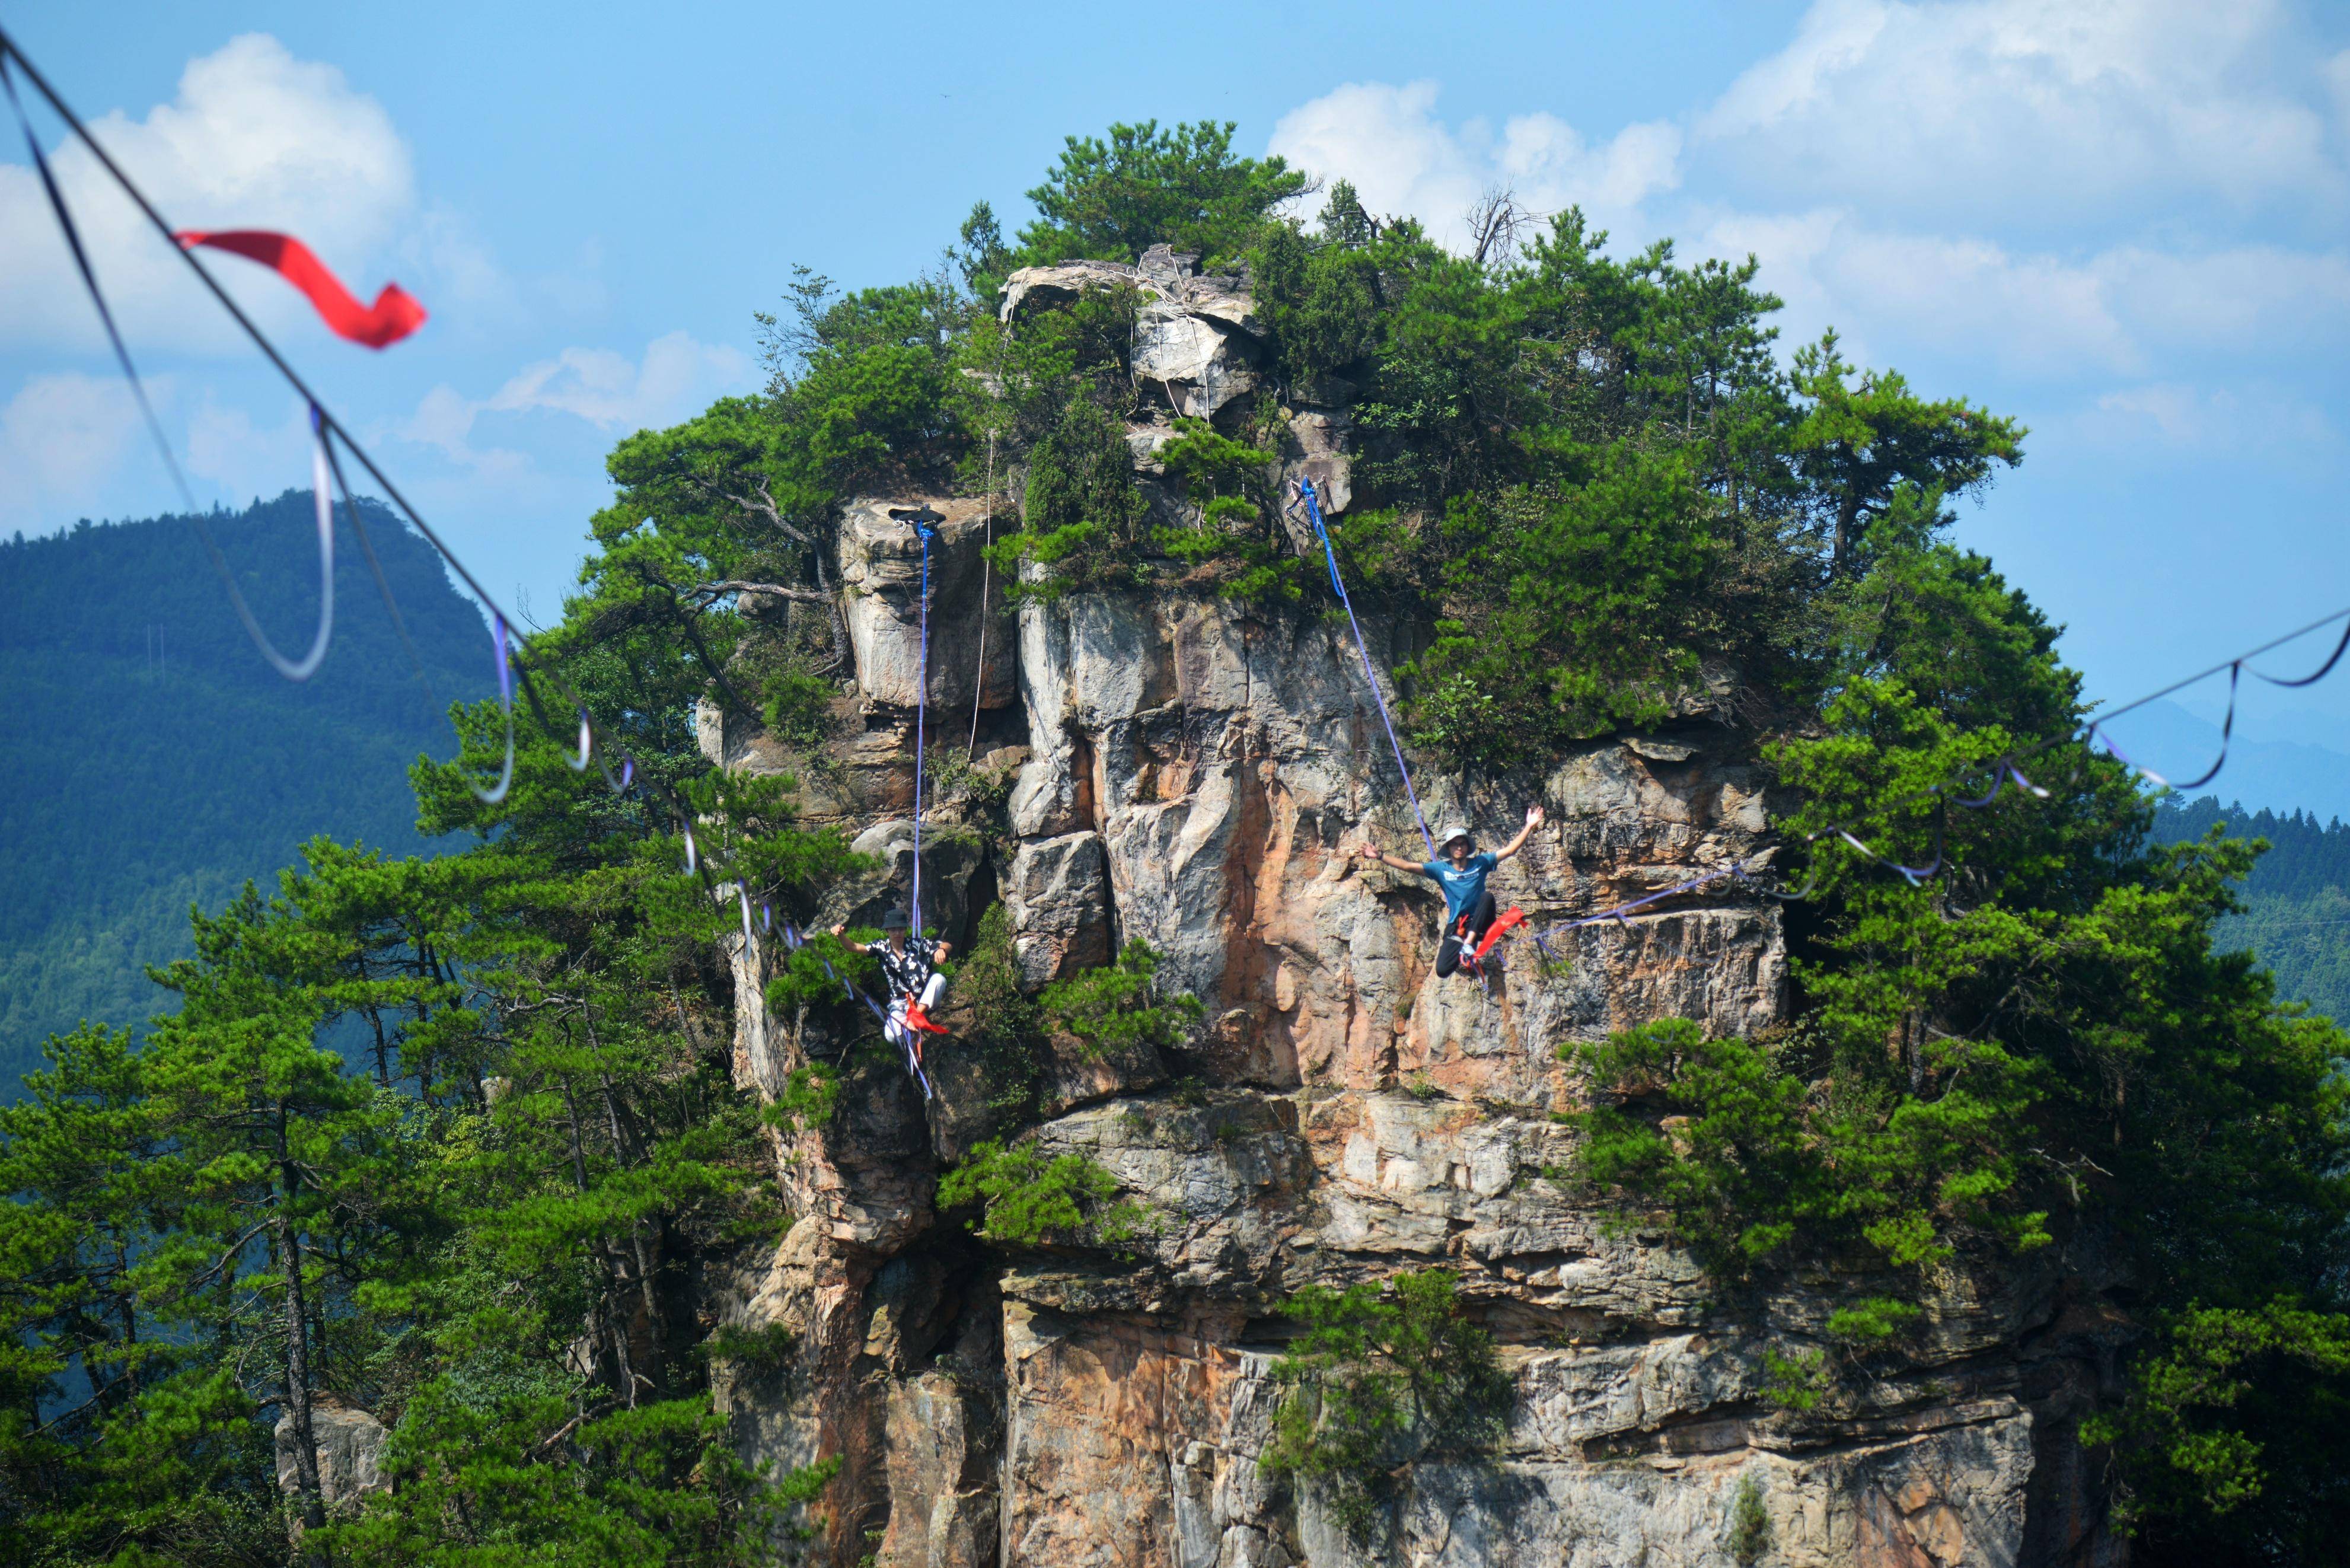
[1118, 1007]
[1025, 1197]
[1381, 1374]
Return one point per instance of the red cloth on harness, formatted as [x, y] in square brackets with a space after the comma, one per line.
[1502, 927]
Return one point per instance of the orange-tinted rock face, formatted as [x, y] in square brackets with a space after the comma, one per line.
[1197, 778]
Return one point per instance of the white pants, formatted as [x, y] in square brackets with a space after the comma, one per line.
[896, 1030]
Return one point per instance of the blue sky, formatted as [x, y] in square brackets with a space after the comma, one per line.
[2124, 222]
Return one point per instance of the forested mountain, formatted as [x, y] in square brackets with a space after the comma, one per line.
[1983, 1214]
[2296, 916]
[155, 761]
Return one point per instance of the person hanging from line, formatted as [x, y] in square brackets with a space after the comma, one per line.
[1470, 925]
[914, 984]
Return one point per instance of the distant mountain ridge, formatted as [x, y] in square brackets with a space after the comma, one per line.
[154, 759]
[2296, 916]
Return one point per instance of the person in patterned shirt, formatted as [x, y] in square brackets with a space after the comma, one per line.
[914, 984]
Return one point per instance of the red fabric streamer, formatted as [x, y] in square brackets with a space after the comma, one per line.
[394, 315]
[1501, 927]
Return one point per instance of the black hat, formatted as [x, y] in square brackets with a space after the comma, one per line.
[895, 920]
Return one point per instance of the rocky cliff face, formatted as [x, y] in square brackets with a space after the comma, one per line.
[1194, 774]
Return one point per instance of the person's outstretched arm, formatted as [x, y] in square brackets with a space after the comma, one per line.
[1370, 851]
[1534, 820]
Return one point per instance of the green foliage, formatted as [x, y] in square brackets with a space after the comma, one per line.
[1004, 1024]
[1319, 303]
[1026, 1200]
[1750, 1524]
[1377, 1376]
[2041, 1034]
[810, 1092]
[765, 1348]
[1861, 442]
[1235, 534]
[1083, 515]
[1796, 1382]
[1117, 1008]
[2235, 1410]
[1584, 607]
[1113, 198]
[1737, 1151]
[482, 1221]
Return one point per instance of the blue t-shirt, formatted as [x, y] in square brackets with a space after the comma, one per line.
[1461, 884]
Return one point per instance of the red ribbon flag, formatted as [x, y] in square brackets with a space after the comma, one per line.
[394, 315]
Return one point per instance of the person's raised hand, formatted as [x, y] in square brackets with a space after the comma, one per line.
[1533, 817]
[840, 929]
[1367, 850]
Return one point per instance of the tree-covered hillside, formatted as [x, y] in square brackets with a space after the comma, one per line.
[2296, 916]
[156, 762]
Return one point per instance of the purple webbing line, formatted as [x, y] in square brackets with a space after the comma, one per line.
[1314, 510]
[2323, 671]
[1620, 910]
[922, 712]
[1998, 783]
[2227, 729]
[1915, 874]
[497, 791]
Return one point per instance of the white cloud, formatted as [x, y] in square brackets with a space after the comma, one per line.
[2056, 110]
[2180, 420]
[676, 377]
[63, 439]
[1891, 290]
[2117, 311]
[255, 139]
[1402, 158]
[245, 459]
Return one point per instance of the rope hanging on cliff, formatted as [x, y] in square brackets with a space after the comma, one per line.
[925, 522]
[986, 581]
[1313, 511]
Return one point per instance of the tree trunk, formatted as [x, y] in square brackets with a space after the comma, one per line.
[844, 661]
[1847, 513]
[297, 1379]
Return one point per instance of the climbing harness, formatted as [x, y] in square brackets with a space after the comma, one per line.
[849, 991]
[1330, 556]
